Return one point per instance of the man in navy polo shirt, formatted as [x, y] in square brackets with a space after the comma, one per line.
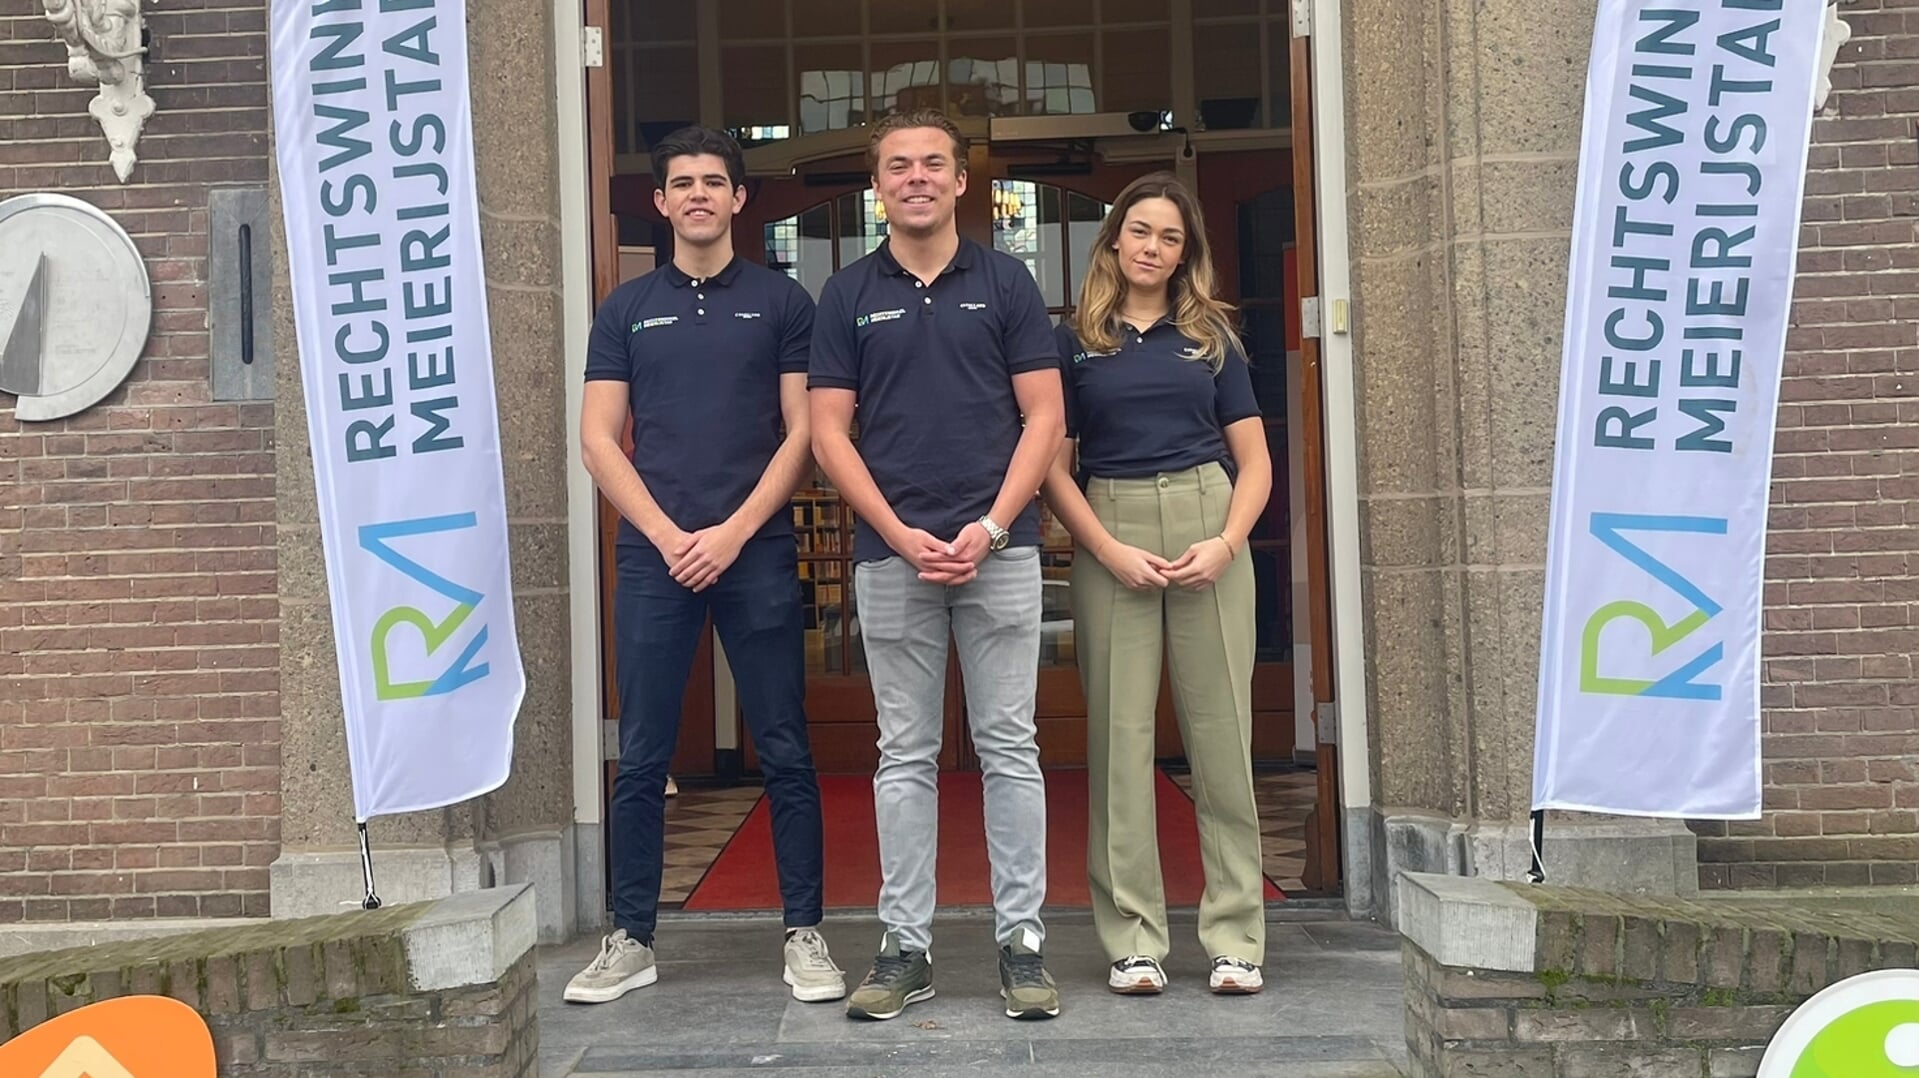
[943, 346]
[708, 353]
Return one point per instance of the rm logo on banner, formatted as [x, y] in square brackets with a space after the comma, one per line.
[456, 672]
[1696, 676]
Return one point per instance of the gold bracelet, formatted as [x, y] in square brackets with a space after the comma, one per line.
[1230, 548]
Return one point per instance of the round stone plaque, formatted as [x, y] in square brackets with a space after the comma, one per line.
[75, 304]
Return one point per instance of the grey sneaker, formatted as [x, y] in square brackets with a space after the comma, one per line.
[898, 978]
[810, 970]
[1028, 989]
[623, 964]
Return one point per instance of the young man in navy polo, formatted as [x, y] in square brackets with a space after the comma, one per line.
[708, 354]
[943, 346]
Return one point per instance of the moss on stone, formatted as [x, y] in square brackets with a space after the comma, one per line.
[264, 937]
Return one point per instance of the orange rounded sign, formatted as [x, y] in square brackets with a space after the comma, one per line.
[133, 1037]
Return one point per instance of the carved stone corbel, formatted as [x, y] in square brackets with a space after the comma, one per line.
[103, 40]
[1836, 34]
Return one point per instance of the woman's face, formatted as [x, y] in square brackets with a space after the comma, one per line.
[1152, 243]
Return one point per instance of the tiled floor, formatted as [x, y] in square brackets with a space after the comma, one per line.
[1284, 797]
[701, 820]
[698, 824]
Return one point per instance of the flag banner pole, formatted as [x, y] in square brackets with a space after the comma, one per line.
[374, 144]
[372, 900]
[1685, 233]
[1536, 833]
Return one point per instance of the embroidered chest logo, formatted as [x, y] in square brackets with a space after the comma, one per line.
[650, 323]
[879, 316]
[972, 306]
[746, 314]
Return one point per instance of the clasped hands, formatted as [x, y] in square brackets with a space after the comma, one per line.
[696, 559]
[1142, 570]
[942, 562]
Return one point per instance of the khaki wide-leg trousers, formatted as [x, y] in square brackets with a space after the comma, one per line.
[1208, 637]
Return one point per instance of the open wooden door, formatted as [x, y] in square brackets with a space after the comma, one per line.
[695, 755]
[1322, 872]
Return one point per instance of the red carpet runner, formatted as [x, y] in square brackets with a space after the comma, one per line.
[743, 878]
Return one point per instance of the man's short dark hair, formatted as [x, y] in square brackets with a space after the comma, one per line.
[909, 120]
[694, 141]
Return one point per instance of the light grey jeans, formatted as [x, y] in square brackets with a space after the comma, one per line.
[995, 620]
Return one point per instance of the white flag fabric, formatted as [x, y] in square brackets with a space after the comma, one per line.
[1692, 167]
[375, 148]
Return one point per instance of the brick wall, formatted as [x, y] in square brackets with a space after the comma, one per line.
[1646, 986]
[139, 704]
[339, 995]
[1842, 593]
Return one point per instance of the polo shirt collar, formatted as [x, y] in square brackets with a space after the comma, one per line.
[1165, 322]
[962, 258]
[726, 275]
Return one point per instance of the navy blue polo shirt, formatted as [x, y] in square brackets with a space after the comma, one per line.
[703, 360]
[933, 366]
[1148, 409]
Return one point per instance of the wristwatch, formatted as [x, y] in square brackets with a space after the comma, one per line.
[999, 536]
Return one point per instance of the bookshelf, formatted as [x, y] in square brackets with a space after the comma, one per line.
[823, 528]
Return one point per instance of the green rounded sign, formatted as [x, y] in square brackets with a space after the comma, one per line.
[1863, 1027]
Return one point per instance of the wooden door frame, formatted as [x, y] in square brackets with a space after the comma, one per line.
[1323, 869]
[695, 751]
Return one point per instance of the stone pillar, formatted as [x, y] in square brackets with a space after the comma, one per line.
[1464, 126]
[523, 832]
[528, 824]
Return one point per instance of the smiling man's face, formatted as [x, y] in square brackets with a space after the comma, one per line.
[699, 199]
[918, 180]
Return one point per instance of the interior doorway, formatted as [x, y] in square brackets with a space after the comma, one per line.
[798, 100]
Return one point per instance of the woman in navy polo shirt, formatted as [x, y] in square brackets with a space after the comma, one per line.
[1172, 473]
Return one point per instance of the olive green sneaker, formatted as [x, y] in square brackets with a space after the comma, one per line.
[898, 978]
[1028, 989]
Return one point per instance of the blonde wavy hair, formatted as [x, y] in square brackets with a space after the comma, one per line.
[1196, 308]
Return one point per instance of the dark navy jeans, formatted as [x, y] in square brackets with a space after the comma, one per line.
[656, 623]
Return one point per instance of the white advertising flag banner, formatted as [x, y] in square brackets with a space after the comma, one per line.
[1698, 117]
[375, 146]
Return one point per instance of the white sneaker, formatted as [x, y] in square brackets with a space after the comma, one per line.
[1136, 976]
[810, 970]
[1235, 977]
[623, 964]
[672, 788]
